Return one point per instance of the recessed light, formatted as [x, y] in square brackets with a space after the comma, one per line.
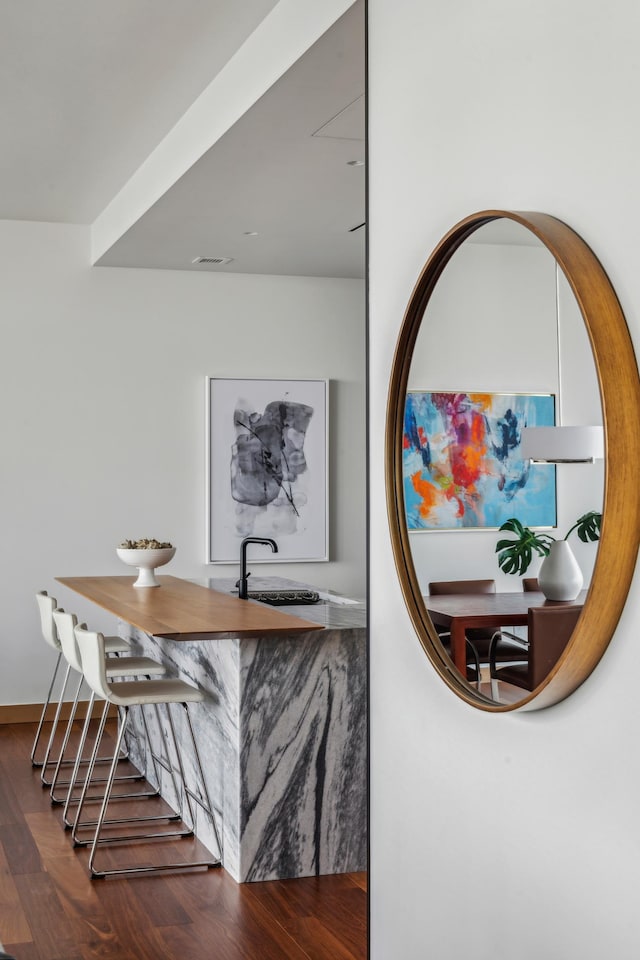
[215, 261]
[355, 163]
[251, 233]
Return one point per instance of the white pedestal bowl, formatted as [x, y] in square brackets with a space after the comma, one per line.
[146, 561]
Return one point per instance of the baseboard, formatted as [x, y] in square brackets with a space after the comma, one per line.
[30, 712]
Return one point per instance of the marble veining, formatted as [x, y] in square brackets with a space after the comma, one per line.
[282, 736]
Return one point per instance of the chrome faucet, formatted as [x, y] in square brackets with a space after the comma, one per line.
[244, 576]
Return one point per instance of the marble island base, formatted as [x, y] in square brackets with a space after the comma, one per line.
[282, 737]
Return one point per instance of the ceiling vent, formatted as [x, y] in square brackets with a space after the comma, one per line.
[215, 261]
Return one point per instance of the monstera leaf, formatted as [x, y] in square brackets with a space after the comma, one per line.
[588, 527]
[514, 556]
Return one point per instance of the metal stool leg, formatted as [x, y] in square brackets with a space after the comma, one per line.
[79, 824]
[54, 729]
[203, 802]
[34, 762]
[208, 806]
[65, 743]
[95, 873]
[155, 759]
[154, 792]
[60, 760]
[164, 759]
[72, 783]
[89, 774]
[76, 767]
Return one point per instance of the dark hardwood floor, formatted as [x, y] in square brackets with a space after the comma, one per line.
[51, 910]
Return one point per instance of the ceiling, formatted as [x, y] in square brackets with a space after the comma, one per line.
[88, 91]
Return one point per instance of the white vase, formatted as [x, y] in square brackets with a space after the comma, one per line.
[560, 577]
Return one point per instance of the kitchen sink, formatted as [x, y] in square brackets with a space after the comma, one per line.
[282, 598]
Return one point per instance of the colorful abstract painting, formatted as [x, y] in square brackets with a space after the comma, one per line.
[461, 461]
[267, 467]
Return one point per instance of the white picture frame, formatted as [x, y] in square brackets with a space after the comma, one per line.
[267, 468]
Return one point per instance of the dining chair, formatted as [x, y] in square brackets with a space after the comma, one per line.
[549, 629]
[529, 585]
[439, 588]
[478, 638]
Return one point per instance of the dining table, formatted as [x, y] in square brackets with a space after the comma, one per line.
[458, 612]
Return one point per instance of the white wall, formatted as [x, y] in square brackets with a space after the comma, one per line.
[102, 374]
[512, 835]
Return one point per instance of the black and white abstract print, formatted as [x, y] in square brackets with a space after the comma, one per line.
[268, 467]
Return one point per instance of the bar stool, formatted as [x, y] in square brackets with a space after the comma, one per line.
[138, 693]
[129, 666]
[46, 606]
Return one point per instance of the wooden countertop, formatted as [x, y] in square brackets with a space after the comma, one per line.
[181, 610]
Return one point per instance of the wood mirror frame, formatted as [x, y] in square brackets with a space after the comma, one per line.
[617, 374]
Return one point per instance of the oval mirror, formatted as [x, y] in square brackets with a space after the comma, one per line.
[513, 333]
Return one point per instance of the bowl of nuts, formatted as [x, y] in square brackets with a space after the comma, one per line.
[146, 555]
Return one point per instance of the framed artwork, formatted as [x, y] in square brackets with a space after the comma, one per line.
[461, 463]
[267, 468]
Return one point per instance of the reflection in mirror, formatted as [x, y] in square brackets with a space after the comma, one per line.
[502, 345]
